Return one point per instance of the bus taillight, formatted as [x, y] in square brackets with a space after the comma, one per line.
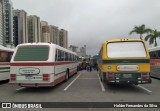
[145, 75]
[13, 77]
[46, 77]
[110, 75]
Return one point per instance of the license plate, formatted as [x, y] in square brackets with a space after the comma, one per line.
[127, 75]
[29, 77]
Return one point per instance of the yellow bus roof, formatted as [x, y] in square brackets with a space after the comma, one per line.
[125, 39]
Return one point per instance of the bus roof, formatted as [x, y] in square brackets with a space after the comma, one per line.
[154, 48]
[48, 44]
[125, 39]
[5, 48]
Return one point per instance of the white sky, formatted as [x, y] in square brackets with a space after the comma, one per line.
[90, 22]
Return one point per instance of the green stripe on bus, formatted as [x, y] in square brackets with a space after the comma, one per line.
[126, 61]
[2, 68]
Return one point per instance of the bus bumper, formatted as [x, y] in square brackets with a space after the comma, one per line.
[148, 81]
[32, 84]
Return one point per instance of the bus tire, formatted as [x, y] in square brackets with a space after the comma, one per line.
[67, 76]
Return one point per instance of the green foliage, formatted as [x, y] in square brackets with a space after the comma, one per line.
[152, 37]
[140, 30]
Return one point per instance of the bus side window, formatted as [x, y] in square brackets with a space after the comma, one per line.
[62, 56]
[69, 57]
[66, 56]
[158, 53]
[150, 54]
[3, 56]
[74, 58]
[56, 56]
[59, 55]
[154, 54]
[9, 56]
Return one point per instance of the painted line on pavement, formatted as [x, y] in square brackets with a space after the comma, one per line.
[144, 88]
[20, 88]
[102, 87]
[87, 78]
[72, 82]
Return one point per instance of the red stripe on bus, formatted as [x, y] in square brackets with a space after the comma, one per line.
[155, 62]
[73, 72]
[55, 82]
[1, 64]
[58, 80]
[41, 64]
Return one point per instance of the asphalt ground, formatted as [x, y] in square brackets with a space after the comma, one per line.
[83, 87]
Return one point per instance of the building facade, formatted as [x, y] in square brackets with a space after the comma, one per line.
[34, 30]
[20, 28]
[82, 52]
[63, 38]
[54, 34]
[73, 48]
[45, 32]
[8, 23]
[1, 23]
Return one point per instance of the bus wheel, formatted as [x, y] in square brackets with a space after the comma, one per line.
[67, 75]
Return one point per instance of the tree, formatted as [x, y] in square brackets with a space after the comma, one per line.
[140, 30]
[152, 37]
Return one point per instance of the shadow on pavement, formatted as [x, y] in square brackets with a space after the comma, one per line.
[4, 82]
[38, 89]
[128, 88]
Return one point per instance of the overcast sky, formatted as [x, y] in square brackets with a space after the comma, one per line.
[90, 22]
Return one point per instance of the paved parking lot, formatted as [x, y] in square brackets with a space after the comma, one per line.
[83, 87]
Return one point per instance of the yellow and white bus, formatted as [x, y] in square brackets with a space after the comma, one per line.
[5, 57]
[124, 61]
[41, 64]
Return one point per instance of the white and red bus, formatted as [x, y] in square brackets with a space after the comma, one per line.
[5, 57]
[155, 62]
[41, 64]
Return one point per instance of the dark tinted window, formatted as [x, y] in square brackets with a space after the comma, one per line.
[66, 56]
[32, 53]
[5, 56]
[154, 54]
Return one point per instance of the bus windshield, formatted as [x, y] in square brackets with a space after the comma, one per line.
[32, 53]
[126, 49]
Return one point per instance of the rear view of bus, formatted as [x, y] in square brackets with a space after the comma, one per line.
[35, 65]
[27, 65]
[124, 61]
[5, 57]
